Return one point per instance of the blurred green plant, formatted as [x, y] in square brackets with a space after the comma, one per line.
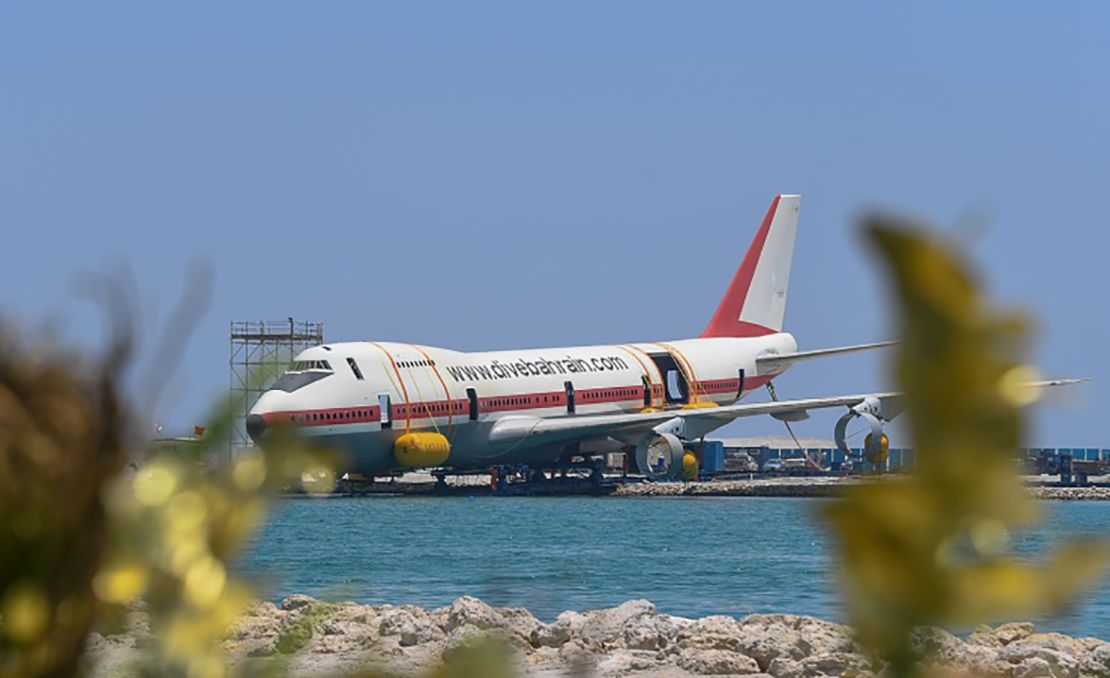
[88, 540]
[176, 524]
[931, 550]
[83, 536]
[299, 633]
[63, 434]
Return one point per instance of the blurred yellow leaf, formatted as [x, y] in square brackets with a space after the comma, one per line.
[929, 549]
[154, 484]
[25, 612]
[120, 582]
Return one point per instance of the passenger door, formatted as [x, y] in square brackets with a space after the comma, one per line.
[386, 417]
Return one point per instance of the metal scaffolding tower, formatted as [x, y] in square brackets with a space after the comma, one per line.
[260, 350]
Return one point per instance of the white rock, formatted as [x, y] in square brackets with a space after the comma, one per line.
[766, 637]
[410, 625]
[410, 634]
[1033, 667]
[577, 659]
[1060, 664]
[1097, 662]
[602, 628]
[716, 662]
[716, 632]
[621, 662]
[821, 637]
[784, 667]
[466, 611]
[296, 601]
[520, 621]
[836, 664]
[560, 631]
[1008, 633]
[653, 632]
[981, 660]
[937, 644]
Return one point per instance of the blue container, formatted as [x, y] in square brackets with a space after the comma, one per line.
[712, 456]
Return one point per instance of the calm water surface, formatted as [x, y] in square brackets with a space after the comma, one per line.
[691, 557]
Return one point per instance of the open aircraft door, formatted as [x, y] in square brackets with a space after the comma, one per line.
[386, 407]
[676, 389]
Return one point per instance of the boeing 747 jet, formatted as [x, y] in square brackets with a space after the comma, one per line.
[391, 407]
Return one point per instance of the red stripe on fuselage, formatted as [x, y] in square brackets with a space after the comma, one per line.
[507, 403]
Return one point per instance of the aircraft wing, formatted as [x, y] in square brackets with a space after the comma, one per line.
[533, 431]
[526, 431]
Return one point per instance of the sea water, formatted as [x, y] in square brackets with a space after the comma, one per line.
[690, 556]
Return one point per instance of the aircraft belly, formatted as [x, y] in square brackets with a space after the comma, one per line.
[365, 452]
[371, 451]
[470, 448]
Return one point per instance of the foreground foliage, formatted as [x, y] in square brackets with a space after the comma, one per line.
[61, 439]
[932, 550]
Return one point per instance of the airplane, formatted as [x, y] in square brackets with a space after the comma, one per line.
[391, 407]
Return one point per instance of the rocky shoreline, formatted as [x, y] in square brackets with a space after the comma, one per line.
[632, 639]
[816, 486]
[819, 486]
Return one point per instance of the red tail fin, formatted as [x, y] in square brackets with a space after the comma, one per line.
[755, 302]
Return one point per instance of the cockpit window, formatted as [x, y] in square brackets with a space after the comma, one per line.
[293, 380]
[305, 365]
[354, 368]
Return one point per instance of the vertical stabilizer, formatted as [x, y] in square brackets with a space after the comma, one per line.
[755, 302]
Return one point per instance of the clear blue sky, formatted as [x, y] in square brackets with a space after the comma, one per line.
[494, 175]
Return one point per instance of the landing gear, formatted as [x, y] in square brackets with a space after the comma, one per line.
[584, 477]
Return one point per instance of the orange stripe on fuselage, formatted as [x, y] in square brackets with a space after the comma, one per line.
[446, 391]
[632, 351]
[400, 380]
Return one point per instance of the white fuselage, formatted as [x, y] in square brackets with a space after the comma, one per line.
[361, 396]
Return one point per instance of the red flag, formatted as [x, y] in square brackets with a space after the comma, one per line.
[198, 431]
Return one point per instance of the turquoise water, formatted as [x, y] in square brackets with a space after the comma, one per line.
[691, 557]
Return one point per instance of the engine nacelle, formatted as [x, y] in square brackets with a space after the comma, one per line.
[876, 446]
[660, 455]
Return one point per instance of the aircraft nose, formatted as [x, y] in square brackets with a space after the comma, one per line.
[256, 425]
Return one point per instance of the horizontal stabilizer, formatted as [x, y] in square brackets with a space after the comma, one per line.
[772, 364]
